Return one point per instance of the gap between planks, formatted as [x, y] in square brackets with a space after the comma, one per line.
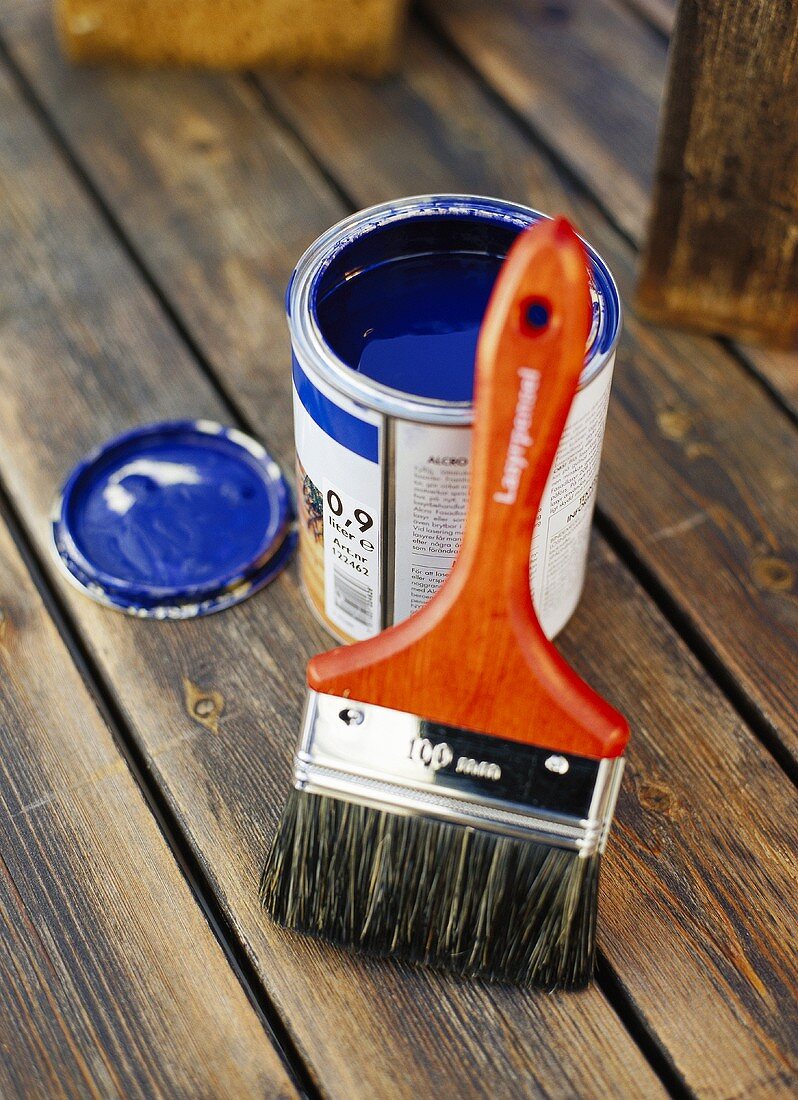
[711, 662]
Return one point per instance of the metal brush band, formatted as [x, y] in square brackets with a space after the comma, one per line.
[394, 761]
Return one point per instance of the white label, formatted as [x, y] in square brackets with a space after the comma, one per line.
[340, 534]
[431, 497]
[344, 590]
[351, 562]
[562, 531]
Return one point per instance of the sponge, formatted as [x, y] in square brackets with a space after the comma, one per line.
[358, 35]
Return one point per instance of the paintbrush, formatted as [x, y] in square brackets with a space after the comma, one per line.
[455, 779]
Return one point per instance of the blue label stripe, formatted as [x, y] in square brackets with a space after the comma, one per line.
[348, 430]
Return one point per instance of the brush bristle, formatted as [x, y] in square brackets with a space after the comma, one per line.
[460, 899]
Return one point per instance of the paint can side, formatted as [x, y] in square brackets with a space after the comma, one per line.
[340, 473]
[383, 474]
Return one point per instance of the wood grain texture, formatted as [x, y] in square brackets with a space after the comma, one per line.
[659, 13]
[81, 335]
[731, 1029]
[586, 74]
[699, 878]
[722, 252]
[111, 983]
[593, 93]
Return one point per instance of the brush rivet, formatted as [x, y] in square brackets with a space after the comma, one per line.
[351, 716]
[557, 764]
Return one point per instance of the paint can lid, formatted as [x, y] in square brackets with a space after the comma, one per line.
[174, 520]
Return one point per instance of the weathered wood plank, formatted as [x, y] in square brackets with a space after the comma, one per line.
[588, 77]
[587, 74]
[243, 203]
[780, 369]
[725, 204]
[111, 983]
[80, 335]
[227, 784]
[697, 928]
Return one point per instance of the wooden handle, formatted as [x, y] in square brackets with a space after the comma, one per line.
[475, 656]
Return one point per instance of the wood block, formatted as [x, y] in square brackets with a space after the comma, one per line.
[723, 249]
[358, 35]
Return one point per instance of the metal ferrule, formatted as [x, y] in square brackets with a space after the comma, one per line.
[394, 761]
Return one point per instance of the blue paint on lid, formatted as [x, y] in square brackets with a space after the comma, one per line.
[171, 516]
[176, 609]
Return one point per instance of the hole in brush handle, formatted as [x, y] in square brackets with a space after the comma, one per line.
[535, 315]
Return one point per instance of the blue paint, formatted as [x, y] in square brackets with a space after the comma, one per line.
[361, 437]
[412, 323]
[162, 609]
[537, 314]
[176, 513]
[401, 301]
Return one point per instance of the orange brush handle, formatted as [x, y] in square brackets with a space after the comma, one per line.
[475, 656]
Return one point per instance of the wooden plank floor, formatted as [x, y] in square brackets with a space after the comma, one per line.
[111, 983]
[148, 224]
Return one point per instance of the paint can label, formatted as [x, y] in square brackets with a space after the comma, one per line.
[384, 311]
[339, 502]
[431, 493]
[562, 530]
[351, 561]
[380, 525]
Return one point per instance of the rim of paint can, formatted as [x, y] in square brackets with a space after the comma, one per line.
[317, 357]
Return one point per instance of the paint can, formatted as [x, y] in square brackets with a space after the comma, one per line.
[384, 311]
